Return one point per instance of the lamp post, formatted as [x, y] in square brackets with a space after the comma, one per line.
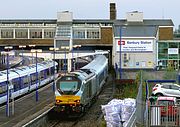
[7, 67]
[31, 46]
[65, 48]
[36, 51]
[72, 63]
[120, 69]
[77, 46]
[54, 51]
[22, 46]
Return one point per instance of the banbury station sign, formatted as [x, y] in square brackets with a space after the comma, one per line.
[135, 45]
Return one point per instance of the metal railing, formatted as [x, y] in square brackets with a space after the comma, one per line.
[164, 115]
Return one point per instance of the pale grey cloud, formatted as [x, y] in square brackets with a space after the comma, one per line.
[85, 9]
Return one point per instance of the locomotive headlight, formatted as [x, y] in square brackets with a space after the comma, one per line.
[58, 101]
[77, 101]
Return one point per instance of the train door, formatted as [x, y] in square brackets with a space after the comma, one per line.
[89, 89]
[29, 82]
[94, 86]
[97, 81]
[39, 78]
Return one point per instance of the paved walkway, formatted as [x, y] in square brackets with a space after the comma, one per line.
[27, 108]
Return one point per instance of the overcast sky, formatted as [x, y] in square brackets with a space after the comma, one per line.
[89, 9]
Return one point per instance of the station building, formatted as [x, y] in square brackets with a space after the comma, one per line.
[140, 38]
[139, 41]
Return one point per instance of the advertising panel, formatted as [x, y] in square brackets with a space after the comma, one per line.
[134, 45]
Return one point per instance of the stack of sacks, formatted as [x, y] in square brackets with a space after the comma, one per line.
[127, 109]
[118, 111]
[112, 112]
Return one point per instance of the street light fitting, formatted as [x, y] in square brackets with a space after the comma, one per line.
[8, 47]
[76, 46]
[64, 47]
[22, 46]
[53, 49]
[32, 45]
[36, 50]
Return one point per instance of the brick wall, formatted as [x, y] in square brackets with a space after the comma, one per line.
[17, 42]
[107, 35]
[166, 33]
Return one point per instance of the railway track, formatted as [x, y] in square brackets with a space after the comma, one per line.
[93, 116]
[25, 107]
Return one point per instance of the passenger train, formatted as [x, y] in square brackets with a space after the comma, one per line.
[23, 79]
[76, 91]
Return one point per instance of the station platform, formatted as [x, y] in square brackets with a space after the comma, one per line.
[27, 108]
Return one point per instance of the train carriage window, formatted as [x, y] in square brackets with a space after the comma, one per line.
[52, 70]
[41, 75]
[48, 72]
[25, 81]
[16, 83]
[45, 74]
[3, 88]
[33, 78]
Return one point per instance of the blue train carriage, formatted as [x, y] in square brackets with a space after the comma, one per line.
[3, 84]
[75, 91]
[23, 79]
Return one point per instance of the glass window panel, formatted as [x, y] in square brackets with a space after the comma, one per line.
[166, 86]
[174, 87]
[163, 56]
[6, 33]
[173, 45]
[173, 56]
[78, 33]
[21, 33]
[164, 62]
[35, 33]
[68, 85]
[49, 33]
[162, 45]
[64, 31]
[93, 33]
[163, 51]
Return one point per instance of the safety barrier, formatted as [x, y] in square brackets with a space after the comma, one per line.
[164, 115]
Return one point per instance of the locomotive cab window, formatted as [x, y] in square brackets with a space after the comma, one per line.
[68, 85]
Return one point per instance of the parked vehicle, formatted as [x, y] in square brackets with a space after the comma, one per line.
[164, 112]
[168, 106]
[166, 89]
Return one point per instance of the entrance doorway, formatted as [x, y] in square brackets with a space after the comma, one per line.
[173, 64]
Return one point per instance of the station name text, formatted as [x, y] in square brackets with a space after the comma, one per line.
[138, 42]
